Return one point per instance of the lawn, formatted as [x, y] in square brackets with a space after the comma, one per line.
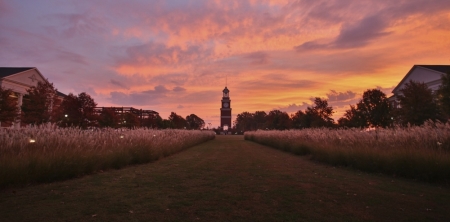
[229, 179]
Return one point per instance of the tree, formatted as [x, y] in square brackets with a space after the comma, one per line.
[244, 121]
[167, 124]
[77, 111]
[69, 114]
[108, 118]
[320, 114]
[375, 108]
[354, 117]
[416, 104]
[130, 120]
[299, 120]
[87, 108]
[177, 121]
[38, 104]
[8, 106]
[259, 120]
[444, 94]
[194, 122]
[153, 121]
[278, 120]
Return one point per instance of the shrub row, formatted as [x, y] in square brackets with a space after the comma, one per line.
[421, 153]
[47, 153]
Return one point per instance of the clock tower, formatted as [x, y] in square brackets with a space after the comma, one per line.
[225, 110]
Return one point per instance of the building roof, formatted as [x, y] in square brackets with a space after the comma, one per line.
[7, 71]
[58, 93]
[438, 68]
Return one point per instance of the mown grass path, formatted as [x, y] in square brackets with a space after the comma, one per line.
[229, 179]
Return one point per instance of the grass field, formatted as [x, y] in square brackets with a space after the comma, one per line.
[47, 153]
[415, 152]
[229, 179]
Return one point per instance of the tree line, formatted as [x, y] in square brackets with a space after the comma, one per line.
[416, 103]
[318, 115]
[42, 105]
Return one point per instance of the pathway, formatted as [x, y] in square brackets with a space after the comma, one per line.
[228, 179]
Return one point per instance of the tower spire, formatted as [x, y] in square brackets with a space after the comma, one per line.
[225, 110]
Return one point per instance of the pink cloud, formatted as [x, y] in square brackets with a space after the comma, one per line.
[119, 84]
[168, 54]
[340, 96]
[152, 53]
[258, 58]
[4, 8]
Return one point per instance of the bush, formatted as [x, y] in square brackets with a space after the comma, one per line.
[63, 153]
[414, 152]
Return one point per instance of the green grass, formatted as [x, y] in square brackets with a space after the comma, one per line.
[229, 179]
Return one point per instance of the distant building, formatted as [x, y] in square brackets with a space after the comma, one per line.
[225, 110]
[428, 74]
[141, 114]
[19, 79]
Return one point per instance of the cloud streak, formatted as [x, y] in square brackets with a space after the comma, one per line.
[356, 35]
[178, 55]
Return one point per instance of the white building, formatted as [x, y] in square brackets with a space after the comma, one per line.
[428, 74]
[19, 79]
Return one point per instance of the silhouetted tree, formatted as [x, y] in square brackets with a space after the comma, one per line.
[108, 118]
[299, 120]
[38, 103]
[194, 122]
[244, 121]
[375, 108]
[259, 120]
[178, 121]
[87, 109]
[444, 95]
[153, 121]
[278, 120]
[416, 104]
[354, 117]
[167, 124]
[8, 106]
[130, 120]
[320, 114]
[69, 114]
[77, 111]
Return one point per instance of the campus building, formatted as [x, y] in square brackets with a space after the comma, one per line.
[19, 80]
[225, 110]
[428, 74]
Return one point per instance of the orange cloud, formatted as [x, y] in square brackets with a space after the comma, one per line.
[176, 55]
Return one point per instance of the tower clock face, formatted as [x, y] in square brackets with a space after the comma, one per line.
[225, 105]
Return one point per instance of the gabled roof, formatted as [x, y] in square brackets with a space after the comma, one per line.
[60, 94]
[437, 68]
[7, 71]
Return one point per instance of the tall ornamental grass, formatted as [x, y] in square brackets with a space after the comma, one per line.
[48, 153]
[414, 152]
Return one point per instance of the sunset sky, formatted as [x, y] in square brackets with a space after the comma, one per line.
[176, 55]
